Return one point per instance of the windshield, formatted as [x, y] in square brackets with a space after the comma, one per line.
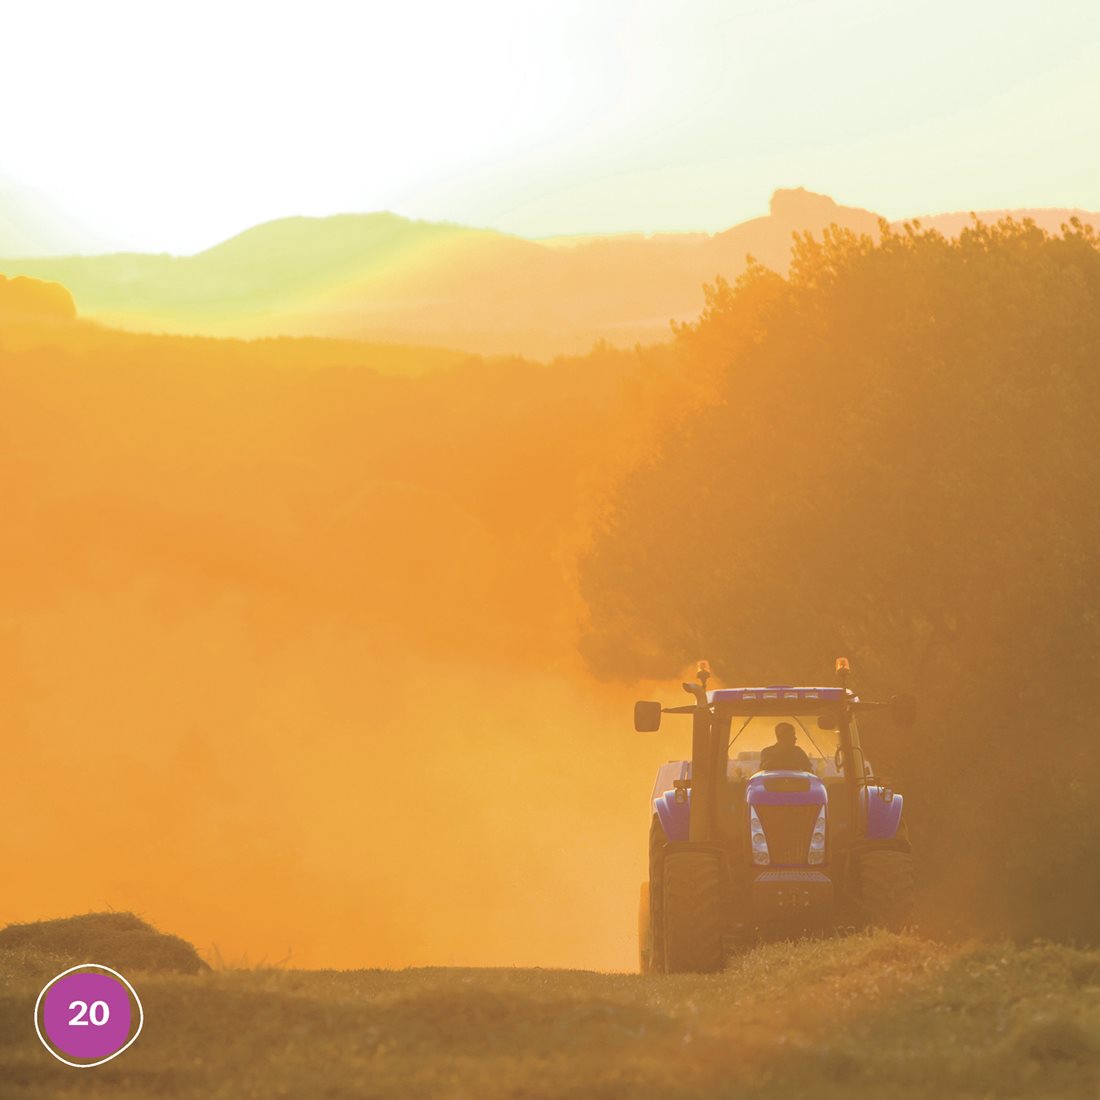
[748, 735]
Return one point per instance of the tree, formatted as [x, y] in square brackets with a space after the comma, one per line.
[898, 461]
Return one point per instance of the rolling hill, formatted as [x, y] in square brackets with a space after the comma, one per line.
[386, 279]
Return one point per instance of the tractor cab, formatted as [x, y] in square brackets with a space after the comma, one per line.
[816, 735]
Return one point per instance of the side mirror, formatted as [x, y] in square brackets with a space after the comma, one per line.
[647, 717]
[904, 710]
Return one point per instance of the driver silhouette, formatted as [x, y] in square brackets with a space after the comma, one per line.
[784, 755]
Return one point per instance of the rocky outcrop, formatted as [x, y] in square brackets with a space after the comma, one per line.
[806, 210]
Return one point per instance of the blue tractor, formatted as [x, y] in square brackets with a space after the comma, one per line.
[776, 826]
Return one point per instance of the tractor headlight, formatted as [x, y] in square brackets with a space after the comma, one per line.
[817, 840]
[760, 852]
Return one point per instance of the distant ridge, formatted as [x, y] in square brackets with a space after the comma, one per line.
[388, 279]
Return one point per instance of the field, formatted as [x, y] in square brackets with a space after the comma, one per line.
[866, 1015]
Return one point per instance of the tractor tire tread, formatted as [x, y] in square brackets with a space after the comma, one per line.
[886, 889]
[656, 946]
[692, 913]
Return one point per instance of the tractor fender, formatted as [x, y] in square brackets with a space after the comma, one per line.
[675, 817]
[881, 817]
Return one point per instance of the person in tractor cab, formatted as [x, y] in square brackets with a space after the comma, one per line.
[784, 755]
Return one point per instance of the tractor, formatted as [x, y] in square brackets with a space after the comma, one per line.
[741, 849]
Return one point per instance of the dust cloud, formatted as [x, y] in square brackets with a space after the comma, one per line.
[288, 654]
[326, 804]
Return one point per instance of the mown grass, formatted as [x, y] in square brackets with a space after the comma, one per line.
[128, 941]
[861, 1016]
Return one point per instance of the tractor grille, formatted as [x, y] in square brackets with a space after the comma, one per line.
[788, 829]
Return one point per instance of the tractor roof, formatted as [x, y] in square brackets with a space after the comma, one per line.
[779, 697]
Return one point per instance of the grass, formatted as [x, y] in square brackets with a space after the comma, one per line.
[861, 1016]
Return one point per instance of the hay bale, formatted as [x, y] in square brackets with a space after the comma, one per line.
[119, 940]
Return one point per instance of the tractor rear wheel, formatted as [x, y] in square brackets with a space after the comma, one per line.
[645, 933]
[886, 889]
[654, 944]
[692, 913]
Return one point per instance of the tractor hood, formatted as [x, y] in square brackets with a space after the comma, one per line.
[785, 789]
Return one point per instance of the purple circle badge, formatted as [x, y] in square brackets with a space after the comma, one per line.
[88, 1015]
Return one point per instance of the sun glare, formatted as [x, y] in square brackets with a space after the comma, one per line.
[172, 133]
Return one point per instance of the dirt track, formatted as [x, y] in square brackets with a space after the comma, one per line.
[864, 1016]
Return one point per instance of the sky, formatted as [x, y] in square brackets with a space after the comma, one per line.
[171, 126]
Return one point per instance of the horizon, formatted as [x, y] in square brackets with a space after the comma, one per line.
[567, 123]
[548, 238]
